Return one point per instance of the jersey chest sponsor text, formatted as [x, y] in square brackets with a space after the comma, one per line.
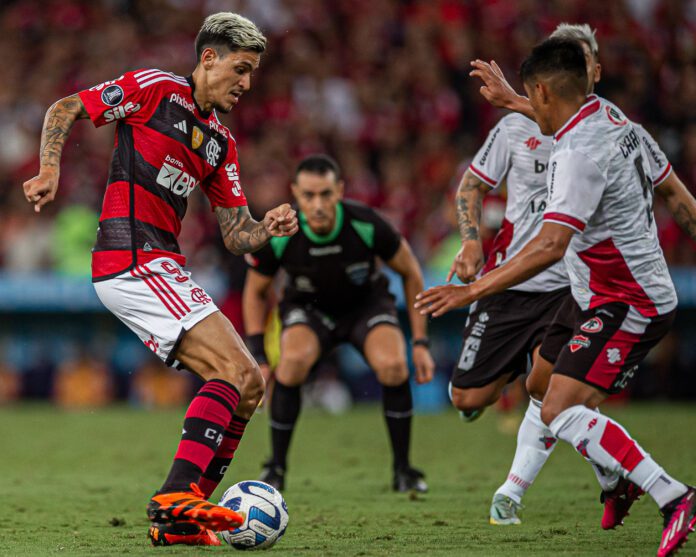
[173, 177]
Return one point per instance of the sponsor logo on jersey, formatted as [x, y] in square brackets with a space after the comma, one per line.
[614, 355]
[196, 137]
[212, 152]
[304, 284]
[615, 117]
[176, 179]
[489, 147]
[119, 112]
[112, 95]
[593, 325]
[181, 126]
[328, 250]
[147, 246]
[213, 125]
[578, 342]
[198, 295]
[233, 176]
[532, 143]
[358, 273]
[658, 161]
[181, 101]
[540, 166]
[551, 179]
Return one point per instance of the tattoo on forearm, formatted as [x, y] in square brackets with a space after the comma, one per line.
[241, 233]
[685, 217]
[469, 207]
[57, 125]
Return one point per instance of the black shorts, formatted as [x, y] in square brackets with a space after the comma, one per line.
[560, 330]
[607, 344]
[501, 333]
[350, 326]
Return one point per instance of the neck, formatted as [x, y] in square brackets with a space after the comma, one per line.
[200, 90]
[564, 111]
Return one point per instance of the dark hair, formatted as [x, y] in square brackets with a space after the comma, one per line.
[557, 57]
[318, 164]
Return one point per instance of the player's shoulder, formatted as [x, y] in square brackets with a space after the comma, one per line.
[160, 81]
[515, 123]
[360, 211]
[523, 134]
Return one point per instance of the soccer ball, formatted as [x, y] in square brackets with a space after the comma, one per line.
[266, 515]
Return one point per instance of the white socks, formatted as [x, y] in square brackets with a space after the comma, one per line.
[605, 443]
[535, 443]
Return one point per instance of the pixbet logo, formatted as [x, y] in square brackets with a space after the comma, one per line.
[175, 179]
[181, 101]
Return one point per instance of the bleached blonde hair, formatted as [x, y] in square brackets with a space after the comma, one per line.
[577, 32]
[230, 30]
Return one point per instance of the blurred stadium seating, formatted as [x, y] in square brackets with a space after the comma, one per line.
[380, 84]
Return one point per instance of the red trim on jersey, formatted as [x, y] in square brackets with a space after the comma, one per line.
[611, 279]
[620, 446]
[560, 218]
[603, 372]
[138, 273]
[148, 207]
[663, 176]
[168, 286]
[489, 181]
[585, 111]
[500, 245]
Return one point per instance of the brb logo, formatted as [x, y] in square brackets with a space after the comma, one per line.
[176, 179]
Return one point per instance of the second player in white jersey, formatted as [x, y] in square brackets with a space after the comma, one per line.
[607, 194]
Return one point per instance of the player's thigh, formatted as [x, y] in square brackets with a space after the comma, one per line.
[385, 351]
[300, 349]
[468, 399]
[214, 350]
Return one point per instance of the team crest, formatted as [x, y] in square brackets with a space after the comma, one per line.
[578, 342]
[594, 325]
[615, 117]
[196, 137]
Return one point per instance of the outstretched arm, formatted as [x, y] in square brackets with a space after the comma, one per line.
[680, 203]
[469, 258]
[242, 234]
[497, 91]
[58, 122]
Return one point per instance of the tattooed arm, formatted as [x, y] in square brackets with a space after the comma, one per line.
[680, 203]
[469, 259]
[56, 127]
[242, 234]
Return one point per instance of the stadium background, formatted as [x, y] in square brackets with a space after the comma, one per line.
[381, 85]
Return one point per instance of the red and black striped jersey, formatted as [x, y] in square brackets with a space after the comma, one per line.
[164, 147]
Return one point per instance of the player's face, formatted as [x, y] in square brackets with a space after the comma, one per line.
[317, 196]
[228, 76]
[538, 98]
[594, 68]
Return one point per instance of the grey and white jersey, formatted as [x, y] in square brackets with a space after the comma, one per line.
[516, 152]
[600, 183]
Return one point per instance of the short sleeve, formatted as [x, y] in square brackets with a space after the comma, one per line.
[120, 99]
[263, 261]
[660, 167]
[575, 188]
[492, 161]
[223, 187]
[387, 238]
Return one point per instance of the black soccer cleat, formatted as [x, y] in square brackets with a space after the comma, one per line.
[273, 475]
[409, 479]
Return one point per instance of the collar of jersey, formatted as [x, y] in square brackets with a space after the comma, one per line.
[204, 114]
[331, 236]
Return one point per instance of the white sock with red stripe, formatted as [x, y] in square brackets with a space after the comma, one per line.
[535, 443]
[605, 443]
[607, 480]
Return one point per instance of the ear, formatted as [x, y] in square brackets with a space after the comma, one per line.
[294, 190]
[340, 187]
[598, 73]
[208, 57]
[543, 92]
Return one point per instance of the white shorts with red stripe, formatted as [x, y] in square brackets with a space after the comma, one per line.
[158, 301]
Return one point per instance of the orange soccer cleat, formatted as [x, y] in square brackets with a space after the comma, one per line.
[186, 533]
[191, 506]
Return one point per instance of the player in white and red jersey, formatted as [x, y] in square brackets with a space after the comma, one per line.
[535, 442]
[599, 215]
[168, 141]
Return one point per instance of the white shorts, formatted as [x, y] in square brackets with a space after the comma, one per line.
[158, 301]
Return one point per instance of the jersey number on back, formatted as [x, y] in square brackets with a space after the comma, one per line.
[647, 187]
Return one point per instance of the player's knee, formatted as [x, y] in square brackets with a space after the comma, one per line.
[294, 367]
[391, 371]
[549, 412]
[469, 401]
[535, 387]
[253, 390]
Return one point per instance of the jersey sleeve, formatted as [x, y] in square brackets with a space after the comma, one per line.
[223, 187]
[660, 167]
[492, 161]
[120, 99]
[387, 238]
[575, 188]
[263, 261]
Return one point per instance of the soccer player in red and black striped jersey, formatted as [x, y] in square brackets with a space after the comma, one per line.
[168, 141]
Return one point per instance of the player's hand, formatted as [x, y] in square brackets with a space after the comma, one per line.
[423, 364]
[41, 189]
[468, 262]
[439, 300]
[281, 221]
[495, 89]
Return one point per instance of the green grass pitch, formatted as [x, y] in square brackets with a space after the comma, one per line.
[76, 483]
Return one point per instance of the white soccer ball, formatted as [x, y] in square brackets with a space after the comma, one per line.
[266, 515]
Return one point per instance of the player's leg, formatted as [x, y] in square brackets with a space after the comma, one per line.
[300, 349]
[384, 348]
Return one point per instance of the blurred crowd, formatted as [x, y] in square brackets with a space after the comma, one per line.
[382, 85]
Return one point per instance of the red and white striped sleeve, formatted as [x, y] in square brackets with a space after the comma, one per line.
[492, 162]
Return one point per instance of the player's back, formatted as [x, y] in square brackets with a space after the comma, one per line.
[600, 183]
